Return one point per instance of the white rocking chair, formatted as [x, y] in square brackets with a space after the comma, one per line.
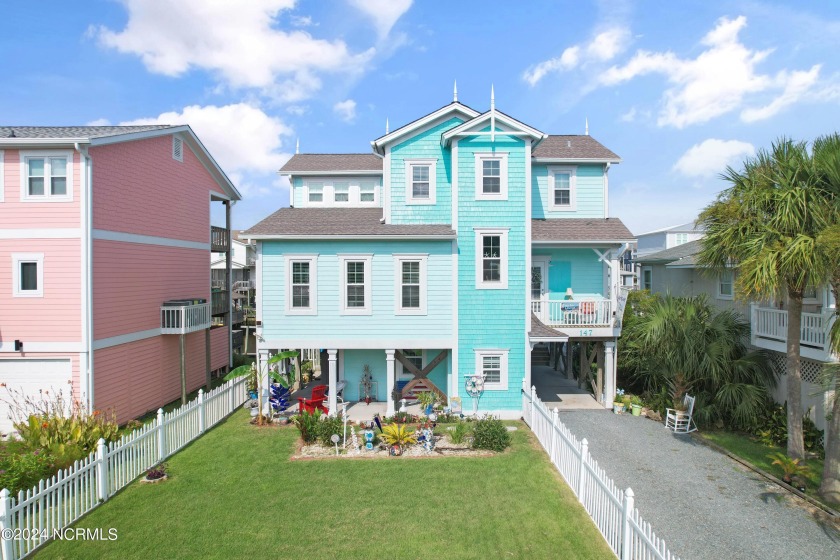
[680, 421]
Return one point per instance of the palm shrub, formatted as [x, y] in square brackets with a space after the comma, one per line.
[684, 343]
[397, 434]
[460, 433]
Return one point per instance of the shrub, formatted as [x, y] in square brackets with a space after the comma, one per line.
[771, 429]
[308, 426]
[242, 360]
[22, 470]
[397, 434]
[328, 426]
[156, 472]
[459, 434]
[490, 433]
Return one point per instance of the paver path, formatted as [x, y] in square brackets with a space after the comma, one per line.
[704, 504]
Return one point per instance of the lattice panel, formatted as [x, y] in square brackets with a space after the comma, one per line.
[810, 369]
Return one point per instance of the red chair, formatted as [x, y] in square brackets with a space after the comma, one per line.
[316, 402]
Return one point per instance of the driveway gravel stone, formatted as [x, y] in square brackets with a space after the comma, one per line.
[704, 504]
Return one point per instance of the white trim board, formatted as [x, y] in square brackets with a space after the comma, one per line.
[359, 343]
[107, 235]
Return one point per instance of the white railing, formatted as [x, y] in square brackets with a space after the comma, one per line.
[612, 510]
[184, 319]
[773, 324]
[238, 316]
[243, 285]
[590, 312]
[34, 516]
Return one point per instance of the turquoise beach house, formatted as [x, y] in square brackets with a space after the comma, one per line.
[458, 244]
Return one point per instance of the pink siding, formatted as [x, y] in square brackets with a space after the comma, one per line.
[55, 317]
[219, 348]
[135, 378]
[138, 188]
[131, 280]
[17, 214]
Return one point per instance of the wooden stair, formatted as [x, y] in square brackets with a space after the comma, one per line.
[540, 356]
[419, 386]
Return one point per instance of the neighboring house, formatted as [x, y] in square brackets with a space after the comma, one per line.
[243, 257]
[99, 226]
[449, 251]
[675, 271]
[660, 240]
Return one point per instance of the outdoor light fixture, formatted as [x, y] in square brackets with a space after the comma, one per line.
[18, 346]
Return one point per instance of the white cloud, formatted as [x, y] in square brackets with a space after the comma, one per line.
[710, 157]
[719, 80]
[383, 13]
[99, 122]
[603, 47]
[346, 110]
[301, 21]
[237, 41]
[242, 138]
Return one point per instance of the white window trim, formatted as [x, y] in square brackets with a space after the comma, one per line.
[349, 200]
[402, 373]
[721, 295]
[328, 192]
[342, 265]
[2, 176]
[480, 284]
[313, 285]
[358, 190]
[424, 282]
[409, 199]
[46, 197]
[503, 176]
[572, 171]
[480, 354]
[308, 202]
[17, 259]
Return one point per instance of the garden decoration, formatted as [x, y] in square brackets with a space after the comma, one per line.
[335, 438]
[354, 441]
[368, 440]
[403, 403]
[475, 387]
[367, 383]
[378, 423]
[344, 422]
[428, 439]
[270, 371]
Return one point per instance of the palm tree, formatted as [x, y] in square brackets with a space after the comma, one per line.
[827, 165]
[767, 223]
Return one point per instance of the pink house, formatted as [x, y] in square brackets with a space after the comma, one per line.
[99, 227]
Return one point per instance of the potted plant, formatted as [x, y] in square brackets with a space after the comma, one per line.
[792, 469]
[396, 436]
[156, 474]
[618, 402]
[427, 401]
[636, 405]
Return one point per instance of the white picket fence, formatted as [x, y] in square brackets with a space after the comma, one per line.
[34, 516]
[612, 510]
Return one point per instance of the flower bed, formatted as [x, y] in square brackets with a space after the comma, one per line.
[443, 447]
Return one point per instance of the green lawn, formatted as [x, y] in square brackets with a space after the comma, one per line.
[234, 493]
[756, 453]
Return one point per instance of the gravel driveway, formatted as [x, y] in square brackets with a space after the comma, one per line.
[704, 504]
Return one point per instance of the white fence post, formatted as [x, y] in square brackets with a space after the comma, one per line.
[533, 399]
[626, 536]
[553, 440]
[231, 396]
[201, 415]
[584, 451]
[102, 469]
[161, 436]
[5, 518]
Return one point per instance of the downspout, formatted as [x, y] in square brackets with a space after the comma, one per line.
[87, 239]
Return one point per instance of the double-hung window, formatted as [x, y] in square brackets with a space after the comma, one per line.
[367, 192]
[315, 192]
[647, 278]
[355, 284]
[47, 176]
[341, 192]
[410, 281]
[680, 238]
[491, 259]
[28, 274]
[302, 293]
[725, 285]
[420, 181]
[491, 181]
[493, 365]
[562, 182]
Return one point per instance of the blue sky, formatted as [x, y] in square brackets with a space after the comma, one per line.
[677, 89]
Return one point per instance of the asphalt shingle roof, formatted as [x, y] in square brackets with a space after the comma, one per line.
[683, 253]
[333, 162]
[61, 132]
[327, 222]
[580, 229]
[540, 330]
[573, 146]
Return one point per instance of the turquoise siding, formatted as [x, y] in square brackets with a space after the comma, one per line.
[297, 192]
[589, 195]
[437, 323]
[492, 318]
[425, 145]
[354, 360]
[579, 269]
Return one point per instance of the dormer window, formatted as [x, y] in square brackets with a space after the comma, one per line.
[342, 192]
[491, 176]
[420, 181]
[367, 192]
[316, 192]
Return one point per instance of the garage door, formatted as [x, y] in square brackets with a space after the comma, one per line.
[30, 377]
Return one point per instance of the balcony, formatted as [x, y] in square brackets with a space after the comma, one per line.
[219, 239]
[238, 338]
[580, 314]
[220, 301]
[769, 331]
[237, 317]
[184, 317]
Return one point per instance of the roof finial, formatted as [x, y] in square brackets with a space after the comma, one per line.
[587, 126]
[492, 98]
[387, 126]
[455, 92]
[297, 146]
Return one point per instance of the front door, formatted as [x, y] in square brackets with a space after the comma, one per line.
[539, 281]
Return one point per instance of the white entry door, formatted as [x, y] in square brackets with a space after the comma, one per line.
[29, 377]
[539, 283]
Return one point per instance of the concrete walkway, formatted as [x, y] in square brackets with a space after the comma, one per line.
[702, 503]
[558, 392]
